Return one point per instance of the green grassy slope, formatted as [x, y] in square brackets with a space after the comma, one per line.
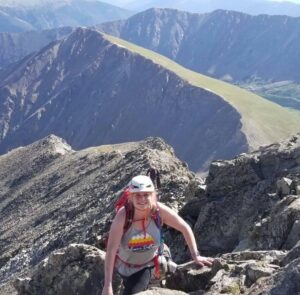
[263, 122]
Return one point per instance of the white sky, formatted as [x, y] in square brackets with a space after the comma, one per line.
[127, 1]
[120, 2]
[295, 1]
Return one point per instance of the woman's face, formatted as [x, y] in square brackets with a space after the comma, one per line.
[142, 200]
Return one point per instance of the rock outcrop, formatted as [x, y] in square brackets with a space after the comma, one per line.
[242, 207]
[78, 269]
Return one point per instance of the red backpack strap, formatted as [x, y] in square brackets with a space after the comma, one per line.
[129, 210]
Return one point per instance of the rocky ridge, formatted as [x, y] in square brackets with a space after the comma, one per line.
[222, 44]
[51, 195]
[246, 214]
[55, 14]
[78, 269]
[246, 6]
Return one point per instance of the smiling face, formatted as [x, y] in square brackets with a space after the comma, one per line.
[142, 200]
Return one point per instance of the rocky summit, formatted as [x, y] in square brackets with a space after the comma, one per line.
[56, 203]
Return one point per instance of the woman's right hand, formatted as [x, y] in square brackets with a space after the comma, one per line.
[107, 290]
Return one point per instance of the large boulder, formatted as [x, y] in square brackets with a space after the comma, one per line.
[284, 282]
[279, 230]
[78, 269]
[293, 254]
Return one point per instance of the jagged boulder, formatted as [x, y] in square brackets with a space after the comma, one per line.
[242, 207]
[286, 281]
[283, 186]
[232, 273]
[292, 255]
[280, 230]
[77, 269]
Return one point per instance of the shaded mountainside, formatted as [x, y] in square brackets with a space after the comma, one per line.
[93, 89]
[15, 46]
[51, 196]
[90, 91]
[223, 44]
[12, 24]
[58, 14]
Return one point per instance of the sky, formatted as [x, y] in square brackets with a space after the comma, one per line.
[124, 2]
[127, 1]
[120, 2]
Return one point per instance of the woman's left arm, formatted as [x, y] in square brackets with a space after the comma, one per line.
[172, 219]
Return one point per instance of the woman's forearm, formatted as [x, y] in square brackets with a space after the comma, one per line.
[190, 240]
[109, 266]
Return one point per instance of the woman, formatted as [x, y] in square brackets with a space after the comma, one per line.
[133, 252]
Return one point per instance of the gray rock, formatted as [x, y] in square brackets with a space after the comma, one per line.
[291, 255]
[297, 189]
[269, 257]
[283, 186]
[281, 229]
[77, 269]
[286, 281]
[240, 209]
[161, 291]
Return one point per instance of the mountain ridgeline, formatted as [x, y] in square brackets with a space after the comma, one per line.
[94, 89]
[225, 44]
[56, 14]
[91, 91]
[259, 53]
[253, 7]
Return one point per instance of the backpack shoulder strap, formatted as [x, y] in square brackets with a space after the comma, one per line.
[129, 210]
[157, 218]
[158, 221]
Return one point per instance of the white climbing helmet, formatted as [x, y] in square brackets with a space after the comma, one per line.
[140, 183]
